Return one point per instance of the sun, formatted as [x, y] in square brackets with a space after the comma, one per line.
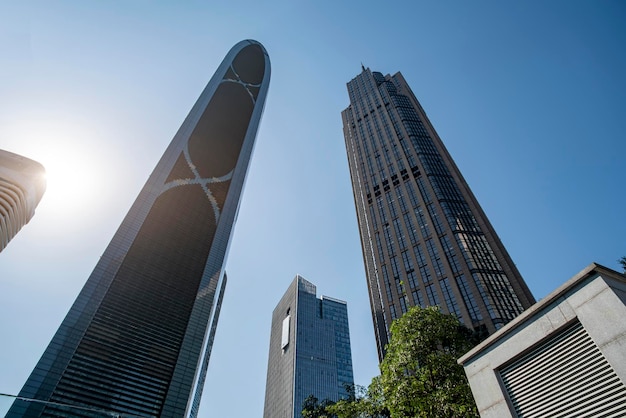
[70, 177]
[90, 168]
[75, 171]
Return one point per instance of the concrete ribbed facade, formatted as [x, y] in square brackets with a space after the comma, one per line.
[22, 184]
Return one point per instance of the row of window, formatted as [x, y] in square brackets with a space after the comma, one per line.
[378, 151]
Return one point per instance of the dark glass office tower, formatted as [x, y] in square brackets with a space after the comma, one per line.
[137, 340]
[424, 237]
[309, 351]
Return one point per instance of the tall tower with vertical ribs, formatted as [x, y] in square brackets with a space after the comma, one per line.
[425, 239]
[138, 338]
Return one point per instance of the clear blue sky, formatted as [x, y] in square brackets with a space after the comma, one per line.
[529, 97]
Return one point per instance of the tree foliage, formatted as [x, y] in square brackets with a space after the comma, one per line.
[313, 408]
[419, 375]
[362, 403]
[622, 261]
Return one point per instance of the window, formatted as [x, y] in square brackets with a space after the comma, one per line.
[284, 339]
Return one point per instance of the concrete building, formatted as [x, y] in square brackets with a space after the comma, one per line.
[563, 357]
[425, 239]
[309, 351]
[137, 340]
[22, 184]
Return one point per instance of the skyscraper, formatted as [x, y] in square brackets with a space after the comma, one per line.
[22, 184]
[425, 239]
[309, 351]
[138, 337]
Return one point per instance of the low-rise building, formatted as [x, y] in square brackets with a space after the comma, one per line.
[563, 357]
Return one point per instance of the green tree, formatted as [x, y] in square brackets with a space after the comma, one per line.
[622, 261]
[419, 375]
[312, 408]
[362, 403]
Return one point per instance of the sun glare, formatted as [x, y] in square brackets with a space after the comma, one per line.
[75, 172]
[69, 177]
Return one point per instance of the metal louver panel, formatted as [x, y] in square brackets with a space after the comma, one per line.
[567, 376]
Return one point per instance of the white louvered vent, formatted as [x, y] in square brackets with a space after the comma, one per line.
[566, 376]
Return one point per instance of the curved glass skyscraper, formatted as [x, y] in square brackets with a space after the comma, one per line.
[138, 338]
[425, 239]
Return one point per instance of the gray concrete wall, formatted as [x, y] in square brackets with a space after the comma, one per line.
[597, 301]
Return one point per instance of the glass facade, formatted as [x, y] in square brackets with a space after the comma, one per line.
[425, 239]
[138, 337]
[315, 357]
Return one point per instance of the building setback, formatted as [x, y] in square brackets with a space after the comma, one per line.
[309, 351]
[137, 339]
[22, 184]
[424, 237]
